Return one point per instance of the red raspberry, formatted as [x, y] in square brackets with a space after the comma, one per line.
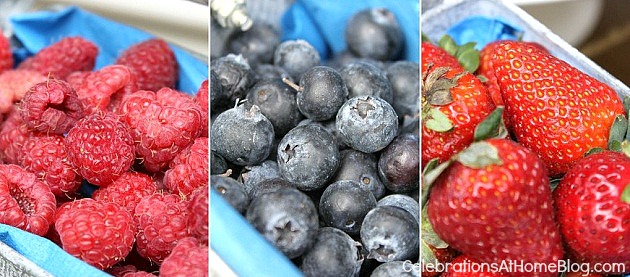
[45, 155]
[51, 106]
[153, 62]
[189, 169]
[6, 56]
[75, 79]
[161, 222]
[99, 233]
[162, 123]
[98, 87]
[188, 258]
[25, 201]
[128, 271]
[127, 190]
[202, 99]
[63, 57]
[100, 147]
[13, 134]
[198, 214]
[14, 84]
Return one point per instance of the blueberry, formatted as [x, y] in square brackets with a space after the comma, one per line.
[363, 78]
[257, 44]
[330, 126]
[360, 167]
[269, 185]
[399, 164]
[344, 204]
[390, 234]
[321, 93]
[242, 136]
[405, 81]
[396, 269]
[308, 156]
[334, 254]
[272, 72]
[277, 103]
[218, 99]
[287, 218]
[218, 165]
[231, 190]
[367, 123]
[374, 33]
[296, 57]
[402, 201]
[235, 76]
[252, 175]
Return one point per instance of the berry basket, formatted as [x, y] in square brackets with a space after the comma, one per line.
[26, 254]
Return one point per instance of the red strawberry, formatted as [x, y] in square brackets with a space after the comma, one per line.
[198, 214]
[161, 222]
[101, 148]
[189, 169]
[454, 102]
[51, 107]
[554, 109]
[594, 221]
[6, 56]
[98, 87]
[153, 62]
[13, 134]
[99, 233]
[189, 258]
[127, 190]
[14, 84]
[45, 155]
[494, 204]
[201, 98]
[25, 201]
[63, 57]
[464, 266]
[162, 123]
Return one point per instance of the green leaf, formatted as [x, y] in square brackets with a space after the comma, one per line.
[593, 151]
[618, 130]
[427, 256]
[482, 78]
[469, 59]
[615, 145]
[428, 234]
[479, 155]
[432, 164]
[625, 195]
[429, 177]
[447, 43]
[438, 121]
[554, 183]
[491, 126]
[425, 38]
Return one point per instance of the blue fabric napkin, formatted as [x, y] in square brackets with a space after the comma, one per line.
[483, 30]
[39, 29]
[322, 23]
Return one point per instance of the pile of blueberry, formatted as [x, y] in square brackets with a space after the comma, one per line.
[322, 157]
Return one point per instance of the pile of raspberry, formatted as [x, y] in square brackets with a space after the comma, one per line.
[123, 130]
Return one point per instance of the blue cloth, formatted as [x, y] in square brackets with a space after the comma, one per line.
[322, 23]
[39, 29]
[46, 254]
[483, 30]
[241, 247]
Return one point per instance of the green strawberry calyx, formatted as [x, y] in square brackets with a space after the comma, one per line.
[436, 91]
[466, 54]
[625, 194]
[492, 126]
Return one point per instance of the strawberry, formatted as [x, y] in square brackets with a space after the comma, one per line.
[594, 220]
[6, 56]
[153, 62]
[553, 108]
[464, 266]
[494, 203]
[454, 102]
[63, 57]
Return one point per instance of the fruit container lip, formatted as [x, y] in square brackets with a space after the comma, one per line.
[440, 15]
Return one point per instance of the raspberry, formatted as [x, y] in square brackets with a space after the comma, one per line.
[98, 87]
[127, 271]
[75, 79]
[161, 222]
[63, 57]
[6, 56]
[188, 258]
[45, 155]
[189, 169]
[202, 99]
[100, 147]
[51, 106]
[13, 134]
[162, 123]
[25, 201]
[153, 62]
[198, 214]
[99, 233]
[14, 84]
[127, 190]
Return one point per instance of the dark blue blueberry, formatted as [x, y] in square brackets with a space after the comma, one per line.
[218, 165]
[253, 174]
[321, 93]
[399, 164]
[235, 77]
[363, 78]
[257, 44]
[367, 123]
[374, 33]
[277, 103]
[360, 167]
[405, 81]
[296, 57]
[405, 202]
[344, 204]
[390, 234]
[397, 269]
[269, 185]
[231, 190]
[334, 254]
[271, 72]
